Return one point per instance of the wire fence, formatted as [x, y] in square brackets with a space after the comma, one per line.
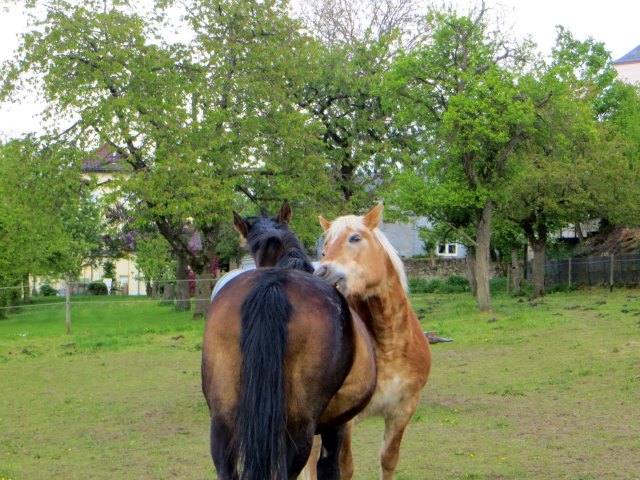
[23, 297]
[620, 269]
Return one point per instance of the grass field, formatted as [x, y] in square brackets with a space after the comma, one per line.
[535, 390]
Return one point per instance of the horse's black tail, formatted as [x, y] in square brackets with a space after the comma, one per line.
[261, 424]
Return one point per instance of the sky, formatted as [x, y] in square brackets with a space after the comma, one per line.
[614, 22]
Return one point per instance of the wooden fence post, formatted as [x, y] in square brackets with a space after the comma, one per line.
[611, 274]
[68, 304]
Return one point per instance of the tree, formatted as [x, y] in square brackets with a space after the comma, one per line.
[197, 126]
[620, 110]
[457, 94]
[49, 222]
[357, 41]
[153, 259]
[352, 22]
[571, 168]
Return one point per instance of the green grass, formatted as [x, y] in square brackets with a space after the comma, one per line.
[534, 390]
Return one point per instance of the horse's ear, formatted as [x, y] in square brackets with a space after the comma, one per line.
[324, 223]
[240, 225]
[374, 217]
[285, 213]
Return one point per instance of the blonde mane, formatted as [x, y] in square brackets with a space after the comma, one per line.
[354, 222]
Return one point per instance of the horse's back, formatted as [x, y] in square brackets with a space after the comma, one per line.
[320, 343]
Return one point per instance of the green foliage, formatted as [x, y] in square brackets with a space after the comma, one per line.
[48, 291]
[97, 288]
[458, 95]
[453, 284]
[108, 269]
[49, 221]
[421, 285]
[570, 168]
[498, 284]
[458, 282]
[253, 110]
[153, 257]
[342, 92]
[196, 127]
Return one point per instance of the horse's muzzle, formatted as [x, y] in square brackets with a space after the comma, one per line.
[333, 276]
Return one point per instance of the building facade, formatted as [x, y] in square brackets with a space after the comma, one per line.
[628, 66]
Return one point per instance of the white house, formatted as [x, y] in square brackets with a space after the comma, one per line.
[628, 66]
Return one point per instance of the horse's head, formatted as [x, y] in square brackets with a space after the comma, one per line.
[357, 257]
[270, 241]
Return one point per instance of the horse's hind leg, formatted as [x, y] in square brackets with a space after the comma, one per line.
[329, 462]
[224, 457]
[298, 448]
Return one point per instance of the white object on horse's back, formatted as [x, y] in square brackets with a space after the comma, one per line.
[227, 277]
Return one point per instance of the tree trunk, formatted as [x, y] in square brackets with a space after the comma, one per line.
[579, 233]
[26, 290]
[471, 268]
[483, 242]
[168, 293]
[539, 247]
[203, 294]
[515, 272]
[182, 279]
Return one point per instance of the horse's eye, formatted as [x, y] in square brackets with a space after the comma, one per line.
[355, 238]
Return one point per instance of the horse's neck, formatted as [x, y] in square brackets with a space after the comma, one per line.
[387, 314]
[296, 260]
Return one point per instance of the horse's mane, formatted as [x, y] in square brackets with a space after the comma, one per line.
[354, 222]
[266, 230]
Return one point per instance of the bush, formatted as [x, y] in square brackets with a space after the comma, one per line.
[420, 285]
[48, 291]
[456, 283]
[97, 288]
[498, 284]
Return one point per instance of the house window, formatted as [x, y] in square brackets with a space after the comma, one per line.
[447, 249]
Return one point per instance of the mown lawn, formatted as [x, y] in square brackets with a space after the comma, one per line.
[534, 390]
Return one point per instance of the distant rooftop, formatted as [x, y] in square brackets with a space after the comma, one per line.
[632, 56]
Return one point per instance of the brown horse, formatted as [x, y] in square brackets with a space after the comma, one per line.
[361, 262]
[282, 360]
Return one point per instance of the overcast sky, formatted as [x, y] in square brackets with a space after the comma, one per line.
[614, 22]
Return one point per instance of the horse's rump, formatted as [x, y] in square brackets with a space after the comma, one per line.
[317, 341]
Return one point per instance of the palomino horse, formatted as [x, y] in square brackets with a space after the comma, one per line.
[361, 262]
[282, 360]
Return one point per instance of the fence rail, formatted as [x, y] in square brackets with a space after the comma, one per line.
[78, 293]
[621, 269]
